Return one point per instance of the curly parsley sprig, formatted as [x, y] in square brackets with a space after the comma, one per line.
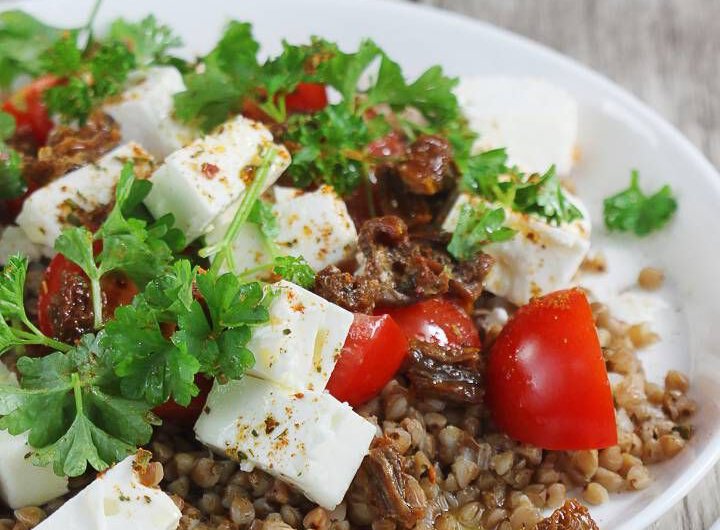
[12, 184]
[631, 210]
[131, 245]
[16, 329]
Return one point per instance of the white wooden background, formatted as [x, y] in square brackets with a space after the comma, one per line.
[667, 52]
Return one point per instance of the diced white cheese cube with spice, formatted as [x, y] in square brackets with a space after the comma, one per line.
[116, 500]
[14, 241]
[200, 181]
[51, 208]
[308, 439]
[145, 111]
[536, 121]
[541, 258]
[300, 345]
[22, 483]
[315, 225]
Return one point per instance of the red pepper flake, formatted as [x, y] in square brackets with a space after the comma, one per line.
[209, 170]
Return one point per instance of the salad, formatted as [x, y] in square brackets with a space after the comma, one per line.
[306, 291]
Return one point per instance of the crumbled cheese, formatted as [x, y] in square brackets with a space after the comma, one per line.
[48, 210]
[308, 439]
[145, 111]
[200, 182]
[541, 258]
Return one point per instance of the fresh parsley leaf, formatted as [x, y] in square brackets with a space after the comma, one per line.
[263, 216]
[344, 70]
[295, 269]
[543, 196]
[147, 39]
[74, 417]
[64, 57]
[431, 93]
[209, 99]
[331, 145]
[149, 366]
[128, 244]
[12, 183]
[7, 125]
[94, 78]
[488, 175]
[220, 343]
[631, 210]
[110, 66]
[72, 100]
[478, 226]
[12, 309]
[23, 40]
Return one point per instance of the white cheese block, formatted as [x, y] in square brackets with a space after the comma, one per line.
[541, 258]
[536, 121]
[49, 209]
[300, 345]
[14, 241]
[199, 182]
[145, 111]
[308, 439]
[21, 483]
[315, 225]
[116, 500]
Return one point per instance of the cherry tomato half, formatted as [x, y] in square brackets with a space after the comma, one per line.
[373, 351]
[117, 290]
[307, 97]
[436, 320]
[28, 108]
[547, 382]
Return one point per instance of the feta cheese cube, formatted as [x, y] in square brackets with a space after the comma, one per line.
[145, 111]
[116, 500]
[49, 209]
[541, 258]
[308, 439]
[22, 483]
[14, 241]
[315, 225]
[199, 182]
[536, 121]
[300, 345]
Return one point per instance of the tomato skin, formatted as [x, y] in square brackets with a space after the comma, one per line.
[307, 97]
[28, 108]
[186, 416]
[117, 290]
[373, 351]
[547, 381]
[437, 320]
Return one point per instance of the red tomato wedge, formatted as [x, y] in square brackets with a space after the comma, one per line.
[547, 381]
[117, 290]
[436, 320]
[28, 108]
[374, 350]
[186, 416]
[307, 97]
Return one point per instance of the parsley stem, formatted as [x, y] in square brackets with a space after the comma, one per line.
[77, 392]
[249, 272]
[222, 248]
[37, 338]
[96, 293]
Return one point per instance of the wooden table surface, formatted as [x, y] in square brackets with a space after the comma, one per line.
[667, 52]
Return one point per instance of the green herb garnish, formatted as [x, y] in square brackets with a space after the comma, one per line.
[477, 226]
[632, 211]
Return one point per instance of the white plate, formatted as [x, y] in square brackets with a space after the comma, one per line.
[617, 133]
